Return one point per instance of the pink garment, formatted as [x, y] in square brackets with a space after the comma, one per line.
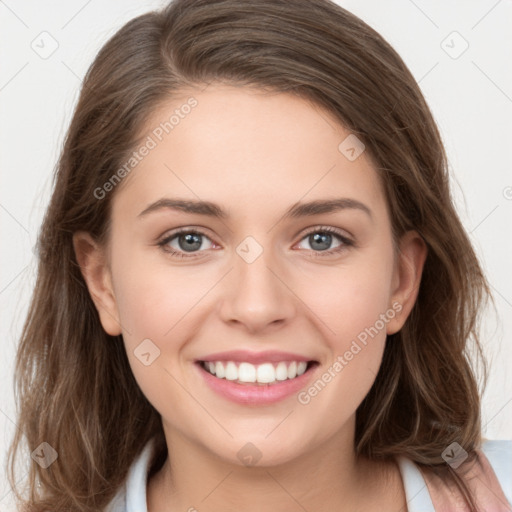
[482, 482]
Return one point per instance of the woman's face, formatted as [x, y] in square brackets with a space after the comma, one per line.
[300, 267]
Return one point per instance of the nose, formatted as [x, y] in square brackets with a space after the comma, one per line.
[258, 295]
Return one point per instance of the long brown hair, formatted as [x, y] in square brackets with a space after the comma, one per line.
[73, 383]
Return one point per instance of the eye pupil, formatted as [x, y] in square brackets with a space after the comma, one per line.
[322, 239]
[193, 241]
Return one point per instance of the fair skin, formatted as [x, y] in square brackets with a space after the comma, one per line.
[255, 154]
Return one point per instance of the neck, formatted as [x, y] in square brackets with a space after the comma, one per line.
[194, 478]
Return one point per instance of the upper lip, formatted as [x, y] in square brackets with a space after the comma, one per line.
[271, 356]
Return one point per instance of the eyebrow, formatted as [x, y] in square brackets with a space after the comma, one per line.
[297, 210]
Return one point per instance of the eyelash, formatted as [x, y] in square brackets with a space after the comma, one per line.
[346, 243]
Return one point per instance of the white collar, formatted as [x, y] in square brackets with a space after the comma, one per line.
[416, 490]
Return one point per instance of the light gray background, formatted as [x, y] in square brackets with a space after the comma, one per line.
[470, 95]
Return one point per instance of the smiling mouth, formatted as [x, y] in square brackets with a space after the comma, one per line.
[264, 374]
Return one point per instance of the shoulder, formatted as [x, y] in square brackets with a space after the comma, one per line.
[487, 478]
[499, 455]
[490, 482]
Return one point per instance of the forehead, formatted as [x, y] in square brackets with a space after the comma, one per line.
[249, 150]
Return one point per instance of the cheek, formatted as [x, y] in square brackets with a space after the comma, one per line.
[353, 304]
[351, 298]
[354, 309]
[152, 298]
[160, 309]
[157, 314]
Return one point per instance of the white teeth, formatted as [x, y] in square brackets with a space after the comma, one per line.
[219, 370]
[292, 370]
[247, 372]
[265, 373]
[231, 371]
[281, 371]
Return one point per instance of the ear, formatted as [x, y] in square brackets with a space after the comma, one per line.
[93, 263]
[411, 258]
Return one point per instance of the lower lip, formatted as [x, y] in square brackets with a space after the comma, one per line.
[248, 394]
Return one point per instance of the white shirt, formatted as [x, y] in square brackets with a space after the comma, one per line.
[131, 497]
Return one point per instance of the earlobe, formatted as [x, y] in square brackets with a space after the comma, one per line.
[407, 278]
[92, 260]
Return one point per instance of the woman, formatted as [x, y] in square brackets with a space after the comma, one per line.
[192, 344]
